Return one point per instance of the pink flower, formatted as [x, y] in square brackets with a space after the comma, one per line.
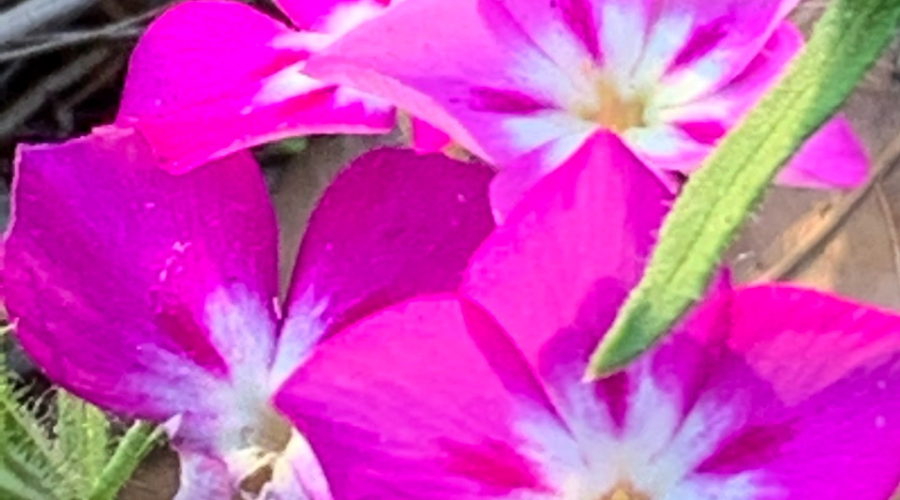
[211, 77]
[767, 392]
[156, 295]
[524, 83]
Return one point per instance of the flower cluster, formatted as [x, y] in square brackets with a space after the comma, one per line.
[440, 312]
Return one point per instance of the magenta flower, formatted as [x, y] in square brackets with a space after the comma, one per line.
[506, 78]
[211, 77]
[156, 295]
[763, 393]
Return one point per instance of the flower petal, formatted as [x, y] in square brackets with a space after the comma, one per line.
[833, 157]
[768, 392]
[586, 227]
[730, 104]
[688, 132]
[425, 400]
[146, 293]
[426, 138]
[809, 379]
[489, 98]
[177, 85]
[510, 185]
[331, 16]
[722, 40]
[394, 224]
[203, 478]
[564, 31]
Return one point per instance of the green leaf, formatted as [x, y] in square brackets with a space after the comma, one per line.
[719, 198]
[67, 457]
[134, 446]
[83, 438]
[28, 458]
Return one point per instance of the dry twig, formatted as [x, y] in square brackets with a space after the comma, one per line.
[32, 101]
[126, 29]
[808, 247]
[31, 15]
[891, 225]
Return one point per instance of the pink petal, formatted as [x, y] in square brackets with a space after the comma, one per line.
[331, 16]
[578, 237]
[721, 41]
[832, 158]
[694, 128]
[203, 478]
[146, 293]
[394, 224]
[421, 401]
[178, 85]
[565, 31]
[732, 102]
[426, 138]
[496, 102]
[818, 418]
[770, 392]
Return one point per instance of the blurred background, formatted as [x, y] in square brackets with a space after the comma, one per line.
[62, 64]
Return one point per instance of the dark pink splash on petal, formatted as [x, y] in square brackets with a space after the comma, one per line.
[704, 40]
[493, 463]
[505, 101]
[705, 132]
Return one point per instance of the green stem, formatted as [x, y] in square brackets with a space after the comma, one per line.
[720, 196]
[134, 446]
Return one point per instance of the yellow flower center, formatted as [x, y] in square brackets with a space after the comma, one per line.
[611, 108]
[267, 443]
[625, 492]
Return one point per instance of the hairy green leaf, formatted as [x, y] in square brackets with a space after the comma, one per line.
[720, 196]
[134, 446]
[60, 447]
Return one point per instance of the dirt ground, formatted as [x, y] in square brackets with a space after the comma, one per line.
[861, 259]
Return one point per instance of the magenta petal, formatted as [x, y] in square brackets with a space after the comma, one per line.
[179, 83]
[203, 478]
[143, 292]
[580, 235]
[834, 157]
[565, 31]
[701, 123]
[768, 392]
[330, 16]
[425, 400]
[723, 39]
[811, 382]
[494, 102]
[427, 138]
[728, 105]
[393, 224]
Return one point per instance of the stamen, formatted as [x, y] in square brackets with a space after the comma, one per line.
[266, 442]
[625, 491]
[610, 108]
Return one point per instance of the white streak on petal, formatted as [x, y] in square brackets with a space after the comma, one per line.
[345, 96]
[301, 330]
[692, 82]
[287, 83]
[622, 37]
[732, 487]
[665, 40]
[243, 332]
[530, 132]
[349, 15]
